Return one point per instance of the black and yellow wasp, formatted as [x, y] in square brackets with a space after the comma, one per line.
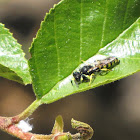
[99, 67]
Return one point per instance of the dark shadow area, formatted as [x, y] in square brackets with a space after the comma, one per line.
[24, 25]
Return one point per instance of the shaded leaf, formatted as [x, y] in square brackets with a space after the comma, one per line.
[13, 65]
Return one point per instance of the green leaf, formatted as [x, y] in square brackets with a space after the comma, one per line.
[13, 65]
[75, 30]
[126, 47]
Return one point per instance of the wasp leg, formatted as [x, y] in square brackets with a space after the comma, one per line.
[104, 71]
[84, 78]
[92, 78]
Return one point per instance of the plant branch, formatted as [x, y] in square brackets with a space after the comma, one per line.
[5, 122]
[17, 132]
[26, 113]
[9, 125]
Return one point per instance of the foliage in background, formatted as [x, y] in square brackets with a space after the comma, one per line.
[13, 65]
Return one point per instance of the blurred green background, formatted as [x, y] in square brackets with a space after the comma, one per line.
[111, 110]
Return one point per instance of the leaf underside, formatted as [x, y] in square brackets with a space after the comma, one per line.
[13, 65]
[76, 30]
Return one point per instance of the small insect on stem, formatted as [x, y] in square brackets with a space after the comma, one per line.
[99, 67]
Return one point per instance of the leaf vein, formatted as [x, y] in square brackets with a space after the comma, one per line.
[104, 24]
[57, 50]
[125, 14]
[81, 22]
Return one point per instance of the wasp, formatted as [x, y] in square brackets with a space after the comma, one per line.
[89, 72]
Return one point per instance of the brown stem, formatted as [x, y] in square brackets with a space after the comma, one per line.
[8, 123]
[26, 113]
[17, 132]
